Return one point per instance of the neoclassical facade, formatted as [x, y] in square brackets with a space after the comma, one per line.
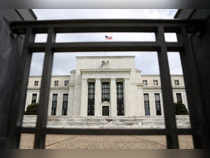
[106, 86]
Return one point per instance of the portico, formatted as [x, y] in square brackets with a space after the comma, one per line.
[107, 101]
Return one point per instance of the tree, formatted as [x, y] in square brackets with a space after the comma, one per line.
[180, 109]
[32, 109]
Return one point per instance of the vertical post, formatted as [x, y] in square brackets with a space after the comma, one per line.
[42, 115]
[98, 108]
[113, 97]
[21, 90]
[126, 97]
[84, 98]
[192, 86]
[169, 109]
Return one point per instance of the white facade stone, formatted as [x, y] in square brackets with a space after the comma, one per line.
[110, 69]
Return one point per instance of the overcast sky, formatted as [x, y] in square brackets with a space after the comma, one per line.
[145, 61]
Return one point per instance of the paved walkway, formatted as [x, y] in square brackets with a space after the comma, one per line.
[104, 142]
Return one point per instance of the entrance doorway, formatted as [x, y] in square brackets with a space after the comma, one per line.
[105, 111]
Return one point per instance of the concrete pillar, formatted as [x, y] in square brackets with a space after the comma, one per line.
[113, 98]
[70, 100]
[140, 102]
[59, 104]
[98, 108]
[84, 98]
[126, 97]
[152, 104]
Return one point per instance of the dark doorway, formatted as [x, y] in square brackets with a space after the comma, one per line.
[105, 111]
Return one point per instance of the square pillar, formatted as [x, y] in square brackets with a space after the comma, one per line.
[98, 108]
[126, 97]
[113, 97]
[84, 97]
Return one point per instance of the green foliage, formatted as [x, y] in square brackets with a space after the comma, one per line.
[32, 109]
[180, 109]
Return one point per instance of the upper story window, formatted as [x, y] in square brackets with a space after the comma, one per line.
[36, 83]
[155, 82]
[176, 82]
[66, 82]
[56, 83]
[145, 82]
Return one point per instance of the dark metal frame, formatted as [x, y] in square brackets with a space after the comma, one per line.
[159, 27]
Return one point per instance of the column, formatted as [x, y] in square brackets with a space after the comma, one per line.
[59, 104]
[152, 104]
[70, 100]
[126, 97]
[84, 97]
[98, 108]
[113, 98]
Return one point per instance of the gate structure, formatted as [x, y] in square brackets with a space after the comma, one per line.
[183, 28]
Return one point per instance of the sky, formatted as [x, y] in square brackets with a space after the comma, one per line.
[145, 61]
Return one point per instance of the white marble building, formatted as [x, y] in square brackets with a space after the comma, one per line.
[106, 86]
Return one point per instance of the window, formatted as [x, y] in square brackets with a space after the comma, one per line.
[54, 104]
[120, 99]
[145, 82]
[179, 97]
[157, 104]
[176, 82]
[65, 104]
[66, 82]
[146, 104]
[155, 82]
[56, 83]
[36, 83]
[34, 97]
[91, 98]
[105, 91]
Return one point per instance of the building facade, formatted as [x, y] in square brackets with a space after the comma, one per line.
[106, 86]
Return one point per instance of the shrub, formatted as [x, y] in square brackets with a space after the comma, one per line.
[180, 109]
[32, 109]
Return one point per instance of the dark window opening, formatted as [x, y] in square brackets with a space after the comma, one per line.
[157, 104]
[105, 111]
[155, 82]
[56, 83]
[91, 98]
[176, 82]
[145, 82]
[146, 104]
[105, 91]
[66, 82]
[65, 104]
[36, 83]
[179, 97]
[54, 104]
[120, 99]
[34, 98]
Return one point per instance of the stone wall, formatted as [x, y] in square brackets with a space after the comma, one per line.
[151, 122]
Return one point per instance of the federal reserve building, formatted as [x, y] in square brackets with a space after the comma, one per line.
[106, 91]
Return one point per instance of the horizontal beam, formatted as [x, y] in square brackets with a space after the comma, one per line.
[105, 46]
[116, 25]
[83, 131]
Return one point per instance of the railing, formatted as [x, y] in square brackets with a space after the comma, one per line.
[181, 27]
